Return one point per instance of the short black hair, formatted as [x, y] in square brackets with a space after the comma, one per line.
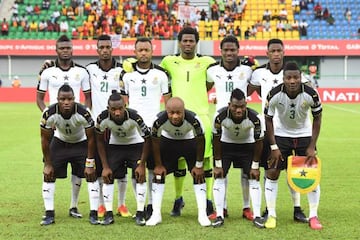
[230, 39]
[115, 96]
[143, 39]
[237, 94]
[188, 30]
[291, 66]
[274, 41]
[63, 38]
[65, 88]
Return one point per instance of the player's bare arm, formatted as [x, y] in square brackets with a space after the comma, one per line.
[254, 171]
[140, 175]
[252, 88]
[311, 150]
[46, 135]
[40, 100]
[159, 168]
[218, 170]
[106, 173]
[90, 173]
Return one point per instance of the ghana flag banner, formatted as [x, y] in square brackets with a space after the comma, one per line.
[301, 177]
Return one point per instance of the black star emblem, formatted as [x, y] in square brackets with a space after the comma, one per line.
[229, 77]
[66, 78]
[275, 81]
[143, 81]
[303, 173]
[292, 105]
[105, 77]
[237, 128]
[67, 125]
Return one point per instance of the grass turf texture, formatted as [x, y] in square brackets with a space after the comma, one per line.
[21, 205]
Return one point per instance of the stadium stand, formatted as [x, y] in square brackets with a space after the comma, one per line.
[116, 17]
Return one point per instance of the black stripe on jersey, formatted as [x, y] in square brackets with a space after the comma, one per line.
[102, 116]
[190, 117]
[138, 119]
[315, 97]
[253, 116]
[213, 64]
[274, 91]
[162, 69]
[162, 117]
[222, 114]
[81, 109]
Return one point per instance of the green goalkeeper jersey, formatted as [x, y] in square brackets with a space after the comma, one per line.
[188, 80]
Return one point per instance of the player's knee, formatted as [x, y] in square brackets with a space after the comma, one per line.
[180, 173]
[272, 173]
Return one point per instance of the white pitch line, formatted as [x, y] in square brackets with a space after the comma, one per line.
[343, 109]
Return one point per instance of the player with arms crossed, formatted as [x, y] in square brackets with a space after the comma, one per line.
[178, 132]
[73, 143]
[263, 79]
[143, 89]
[128, 147]
[64, 71]
[292, 101]
[188, 81]
[227, 75]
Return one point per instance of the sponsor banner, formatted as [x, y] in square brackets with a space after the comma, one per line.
[125, 47]
[327, 95]
[81, 47]
[299, 47]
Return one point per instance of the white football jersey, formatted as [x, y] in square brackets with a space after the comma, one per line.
[145, 90]
[189, 129]
[227, 80]
[293, 114]
[102, 83]
[131, 131]
[70, 130]
[52, 78]
[248, 130]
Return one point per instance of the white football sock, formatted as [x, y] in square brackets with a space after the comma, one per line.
[101, 195]
[255, 195]
[141, 189]
[75, 190]
[150, 182]
[108, 190]
[122, 185]
[48, 193]
[157, 193]
[271, 188]
[314, 199]
[219, 195]
[93, 190]
[245, 189]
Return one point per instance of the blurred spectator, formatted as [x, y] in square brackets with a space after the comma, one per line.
[4, 27]
[295, 25]
[37, 9]
[214, 11]
[237, 32]
[45, 5]
[1, 82]
[303, 5]
[267, 15]
[29, 9]
[325, 13]
[80, 8]
[267, 26]
[313, 76]
[55, 16]
[222, 31]
[280, 26]
[208, 28]
[221, 5]
[203, 15]
[347, 14]
[16, 83]
[247, 33]
[50, 26]
[275, 15]
[34, 27]
[318, 11]
[15, 8]
[287, 26]
[295, 4]
[42, 26]
[303, 27]
[330, 20]
[64, 26]
[283, 14]
[15, 19]
[70, 13]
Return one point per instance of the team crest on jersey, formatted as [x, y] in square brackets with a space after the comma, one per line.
[77, 77]
[43, 121]
[155, 80]
[301, 177]
[116, 76]
[304, 104]
[121, 84]
[241, 76]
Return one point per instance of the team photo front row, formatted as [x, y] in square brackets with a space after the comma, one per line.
[103, 150]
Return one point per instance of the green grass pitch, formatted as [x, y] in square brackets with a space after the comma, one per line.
[21, 205]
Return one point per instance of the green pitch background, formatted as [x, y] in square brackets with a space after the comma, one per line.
[21, 205]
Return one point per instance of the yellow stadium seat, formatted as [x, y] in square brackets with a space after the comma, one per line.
[266, 35]
[288, 35]
[295, 34]
[259, 35]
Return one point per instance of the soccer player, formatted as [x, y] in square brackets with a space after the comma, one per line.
[263, 79]
[295, 132]
[104, 77]
[178, 132]
[237, 139]
[188, 81]
[73, 142]
[65, 71]
[128, 147]
[143, 89]
[227, 75]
